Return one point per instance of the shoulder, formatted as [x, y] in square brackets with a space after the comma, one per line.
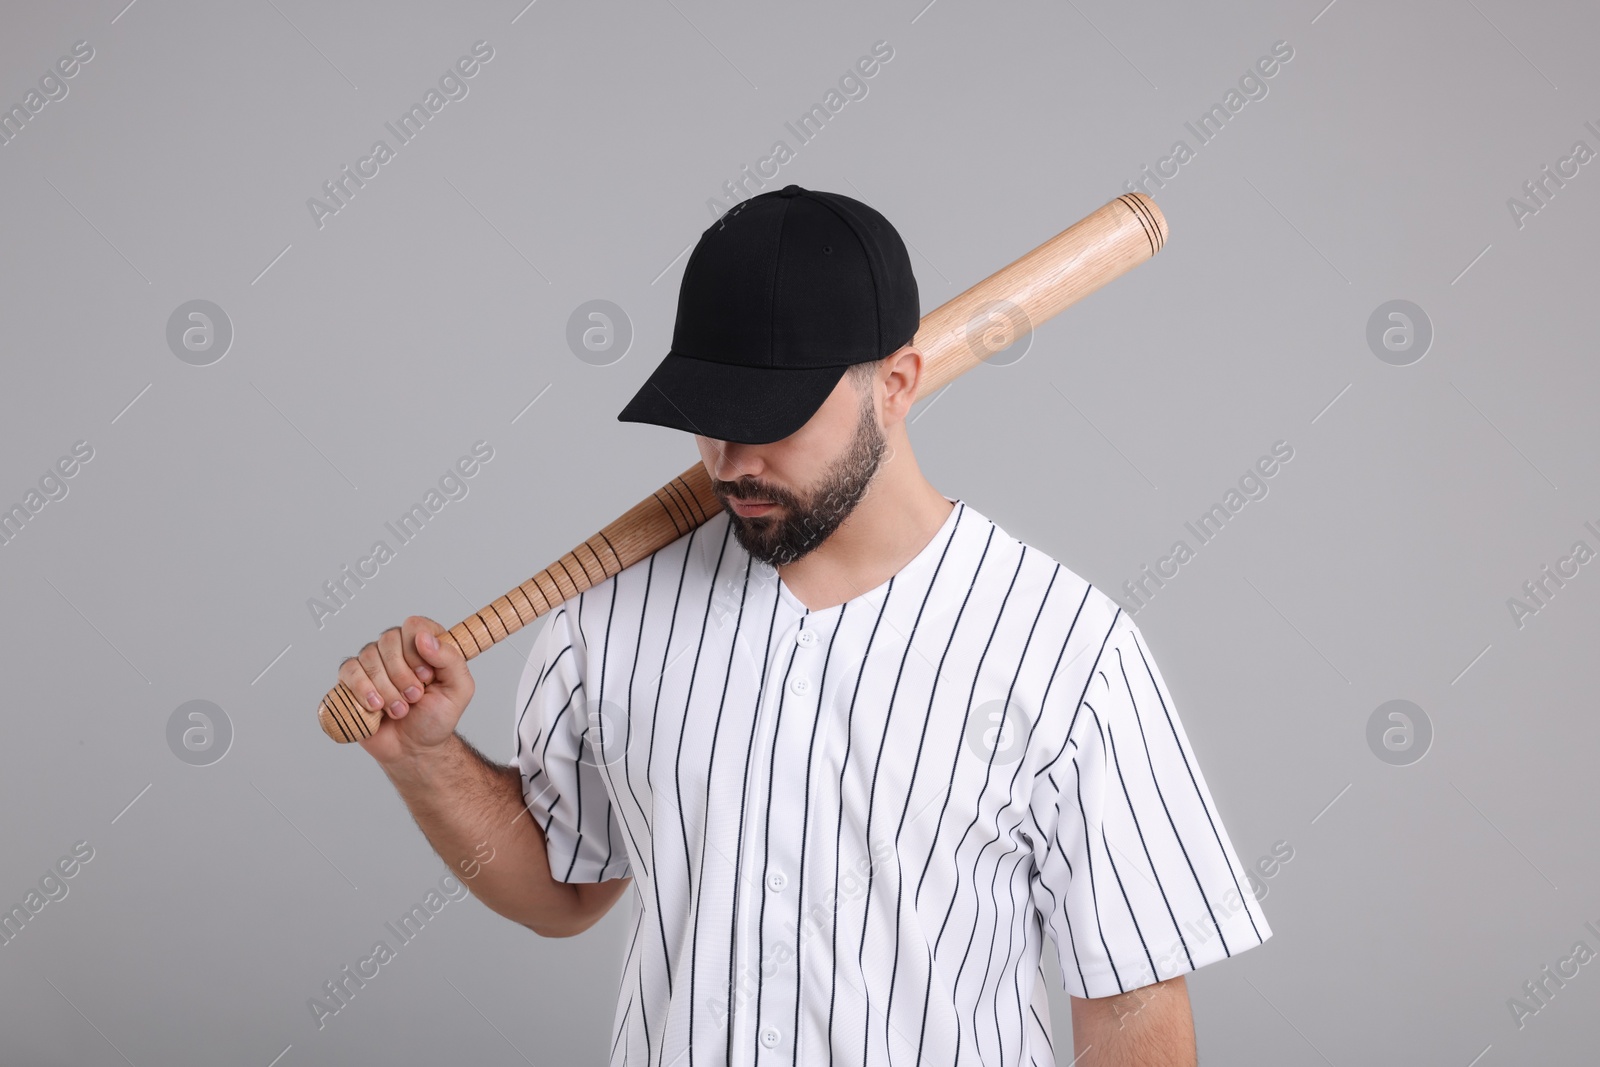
[1021, 569]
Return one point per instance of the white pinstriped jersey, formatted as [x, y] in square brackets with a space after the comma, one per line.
[850, 830]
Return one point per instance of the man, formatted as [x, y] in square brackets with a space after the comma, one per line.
[861, 749]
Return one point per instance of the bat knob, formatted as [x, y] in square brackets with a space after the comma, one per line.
[344, 719]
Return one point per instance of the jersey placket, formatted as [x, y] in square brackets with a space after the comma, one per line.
[774, 828]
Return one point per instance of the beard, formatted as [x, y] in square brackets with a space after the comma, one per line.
[808, 521]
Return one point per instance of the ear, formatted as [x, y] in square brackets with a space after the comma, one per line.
[905, 374]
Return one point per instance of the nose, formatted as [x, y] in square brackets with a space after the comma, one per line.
[732, 461]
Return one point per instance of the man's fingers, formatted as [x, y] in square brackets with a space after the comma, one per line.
[411, 632]
[393, 672]
[392, 648]
[372, 662]
[355, 679]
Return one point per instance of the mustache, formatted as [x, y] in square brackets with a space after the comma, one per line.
[744, 494]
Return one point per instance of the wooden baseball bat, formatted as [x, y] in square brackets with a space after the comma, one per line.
[953, 338]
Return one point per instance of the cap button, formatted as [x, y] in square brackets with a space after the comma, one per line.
[790, 190]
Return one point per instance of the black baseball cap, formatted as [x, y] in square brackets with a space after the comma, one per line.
[781, 295]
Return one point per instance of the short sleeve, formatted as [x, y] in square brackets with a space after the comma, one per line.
[560, 754]
[1135, 879]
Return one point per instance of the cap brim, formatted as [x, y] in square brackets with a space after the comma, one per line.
[731, 402]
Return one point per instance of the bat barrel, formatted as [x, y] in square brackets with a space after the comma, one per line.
[1005, 306]
[954, 338]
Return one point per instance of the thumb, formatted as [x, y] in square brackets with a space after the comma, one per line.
[445, 657]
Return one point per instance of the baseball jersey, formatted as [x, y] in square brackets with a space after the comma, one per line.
[851, 830]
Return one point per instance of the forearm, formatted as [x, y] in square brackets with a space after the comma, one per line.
[1151, 1026]
[471, 811]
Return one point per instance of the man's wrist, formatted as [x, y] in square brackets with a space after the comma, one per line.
[423, 767]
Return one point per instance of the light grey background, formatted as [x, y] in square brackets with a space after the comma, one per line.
[427, 314]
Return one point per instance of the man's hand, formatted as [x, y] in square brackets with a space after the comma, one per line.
[422, 684]
[1146, 1027]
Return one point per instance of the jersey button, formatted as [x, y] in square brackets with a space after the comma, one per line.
[776, 881]
[769, 1037]
[801, 685]
[806, 638]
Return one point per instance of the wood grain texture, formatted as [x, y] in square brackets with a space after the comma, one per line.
[953, 338]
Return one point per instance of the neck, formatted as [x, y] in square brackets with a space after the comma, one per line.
[894, 521]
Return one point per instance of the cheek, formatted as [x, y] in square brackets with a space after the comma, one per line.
[826, 433]
[708, 452]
